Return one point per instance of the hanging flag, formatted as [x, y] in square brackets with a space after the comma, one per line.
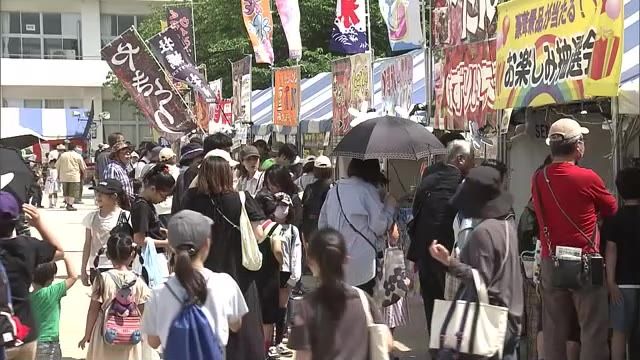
[403, 23]
[147, 84]
[349, 33]
[221, 117]
[289, 12]
[286, 96]
[180, 18]
[397, 83]
[216, 88]
[351, 88]
[168, 49]
[241, 78]
[259, 24]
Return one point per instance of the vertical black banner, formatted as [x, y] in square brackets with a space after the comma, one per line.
[180, 18]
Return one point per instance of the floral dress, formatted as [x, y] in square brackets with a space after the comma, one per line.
[397, 314]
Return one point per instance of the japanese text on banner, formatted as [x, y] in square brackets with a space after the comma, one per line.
[397, 83]
[557, 51]
[179, 18]
[286, 96]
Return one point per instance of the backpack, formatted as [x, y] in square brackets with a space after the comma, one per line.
[122, 317]
[12, 331]
[122, 227]
[191, 335]
[312, 200]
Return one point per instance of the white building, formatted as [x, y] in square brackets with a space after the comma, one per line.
[51, 58]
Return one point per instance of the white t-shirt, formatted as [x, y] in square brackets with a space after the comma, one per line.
[225, 303]
[100, 231]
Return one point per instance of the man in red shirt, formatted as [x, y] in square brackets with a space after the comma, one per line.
[571, 221]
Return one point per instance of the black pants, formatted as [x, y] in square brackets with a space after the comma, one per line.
[431, 285]
[36, 199]
[368, 286]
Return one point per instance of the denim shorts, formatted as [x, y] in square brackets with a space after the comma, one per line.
[48, 351]
[626, 315]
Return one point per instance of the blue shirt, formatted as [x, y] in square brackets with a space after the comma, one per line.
[115, 170]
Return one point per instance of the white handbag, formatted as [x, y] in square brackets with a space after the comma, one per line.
[475, 328]
[378, 333]
[251, 255]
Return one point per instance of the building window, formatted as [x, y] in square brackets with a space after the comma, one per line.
[40, 35]
[113, 25]
[43, 104]
[126, 119]
[53, 104]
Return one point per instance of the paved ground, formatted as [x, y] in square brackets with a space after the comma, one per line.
[411, 339]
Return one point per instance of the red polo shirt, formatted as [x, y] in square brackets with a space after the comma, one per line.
[582, 195]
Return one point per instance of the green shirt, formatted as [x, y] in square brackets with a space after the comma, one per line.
[45, 304]
[267, 164]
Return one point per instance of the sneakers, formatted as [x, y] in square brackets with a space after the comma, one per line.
[283, 350]
[71, 208]
[272, 354]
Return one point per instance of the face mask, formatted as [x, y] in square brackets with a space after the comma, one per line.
[281, 213]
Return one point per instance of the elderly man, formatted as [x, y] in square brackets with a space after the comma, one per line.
[102, 159]
[568, 200]
[117, 167]
[71, 169]
[434, 218]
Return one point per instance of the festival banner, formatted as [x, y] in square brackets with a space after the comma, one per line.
[168, 49]
[216, 88]
[440, 26]
[289, 12]
[402, 18]
[220, 116]
[349, 33]
[180, 18]
[468, 20]
[397, 82]
[465, 86]
[241, 76]
[351, 87]
[558, 51]
[259, 23]
[341, 95]
[286, 96]
[147, 84]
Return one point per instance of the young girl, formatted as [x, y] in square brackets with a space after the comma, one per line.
[217, 293]
[51, 186]
[113, 204]
[330, 322]
[157, 185]
[121, 251]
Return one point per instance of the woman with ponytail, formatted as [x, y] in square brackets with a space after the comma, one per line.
[330, 322]
[190, 239]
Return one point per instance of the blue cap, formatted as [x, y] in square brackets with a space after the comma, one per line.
[9, 207]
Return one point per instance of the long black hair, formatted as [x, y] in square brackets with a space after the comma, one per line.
[367, 170]
[327, 248]
[191, 279]
[159, 177]
[281, 177]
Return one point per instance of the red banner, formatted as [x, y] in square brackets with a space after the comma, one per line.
[465, 86]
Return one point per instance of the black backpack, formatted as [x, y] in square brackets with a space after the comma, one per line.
[8, 326]
[312, 200]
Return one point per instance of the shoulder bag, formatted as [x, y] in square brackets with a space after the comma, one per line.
[378, 333]
[566, 273]
[251, 255]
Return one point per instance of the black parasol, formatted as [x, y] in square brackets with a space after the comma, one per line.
[16, 176]
[389, 137]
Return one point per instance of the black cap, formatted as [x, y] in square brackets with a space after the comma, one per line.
[190, 151]
[482, 195]
[108, 186]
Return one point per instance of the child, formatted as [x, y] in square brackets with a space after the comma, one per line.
[290, 260]
[216, 293]
[51, 186]
[157, 185]
[121, 251]
[45, 302]
[113, 204]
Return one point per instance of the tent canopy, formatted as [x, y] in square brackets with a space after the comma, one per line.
[316, 110]
[12, 134]
[49, 124]
[630, 76]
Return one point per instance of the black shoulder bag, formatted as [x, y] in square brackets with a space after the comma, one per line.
[375, 249]
[568, 274]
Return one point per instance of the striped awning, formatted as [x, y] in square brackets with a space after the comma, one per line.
[630, 75]
[50, 124]
[317, 105]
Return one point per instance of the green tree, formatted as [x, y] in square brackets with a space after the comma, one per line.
[221, 38]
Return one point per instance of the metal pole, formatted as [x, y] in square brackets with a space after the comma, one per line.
[193, 26]
[371, 55]
[428, 57]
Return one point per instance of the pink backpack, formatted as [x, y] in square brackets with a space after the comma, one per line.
[122, 318]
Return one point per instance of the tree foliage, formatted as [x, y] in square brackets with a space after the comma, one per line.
[221, 38]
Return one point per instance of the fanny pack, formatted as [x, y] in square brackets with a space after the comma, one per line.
[570, 273]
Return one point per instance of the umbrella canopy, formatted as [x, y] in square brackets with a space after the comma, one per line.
[15, 175]
[20, 141]
[389, 137]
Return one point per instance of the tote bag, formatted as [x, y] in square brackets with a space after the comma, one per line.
[391, 284]
[378, 333]
[251, 255]
[473, 328]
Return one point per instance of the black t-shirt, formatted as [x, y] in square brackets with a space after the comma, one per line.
[624, 230]
[312, 200]
[144, 219]
[20, 256]
[226, 247]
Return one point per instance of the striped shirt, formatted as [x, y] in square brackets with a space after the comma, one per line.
[115, 170]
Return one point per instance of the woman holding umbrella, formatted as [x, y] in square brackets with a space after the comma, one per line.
[363, 212]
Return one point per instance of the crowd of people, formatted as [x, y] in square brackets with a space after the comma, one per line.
[201, 241]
